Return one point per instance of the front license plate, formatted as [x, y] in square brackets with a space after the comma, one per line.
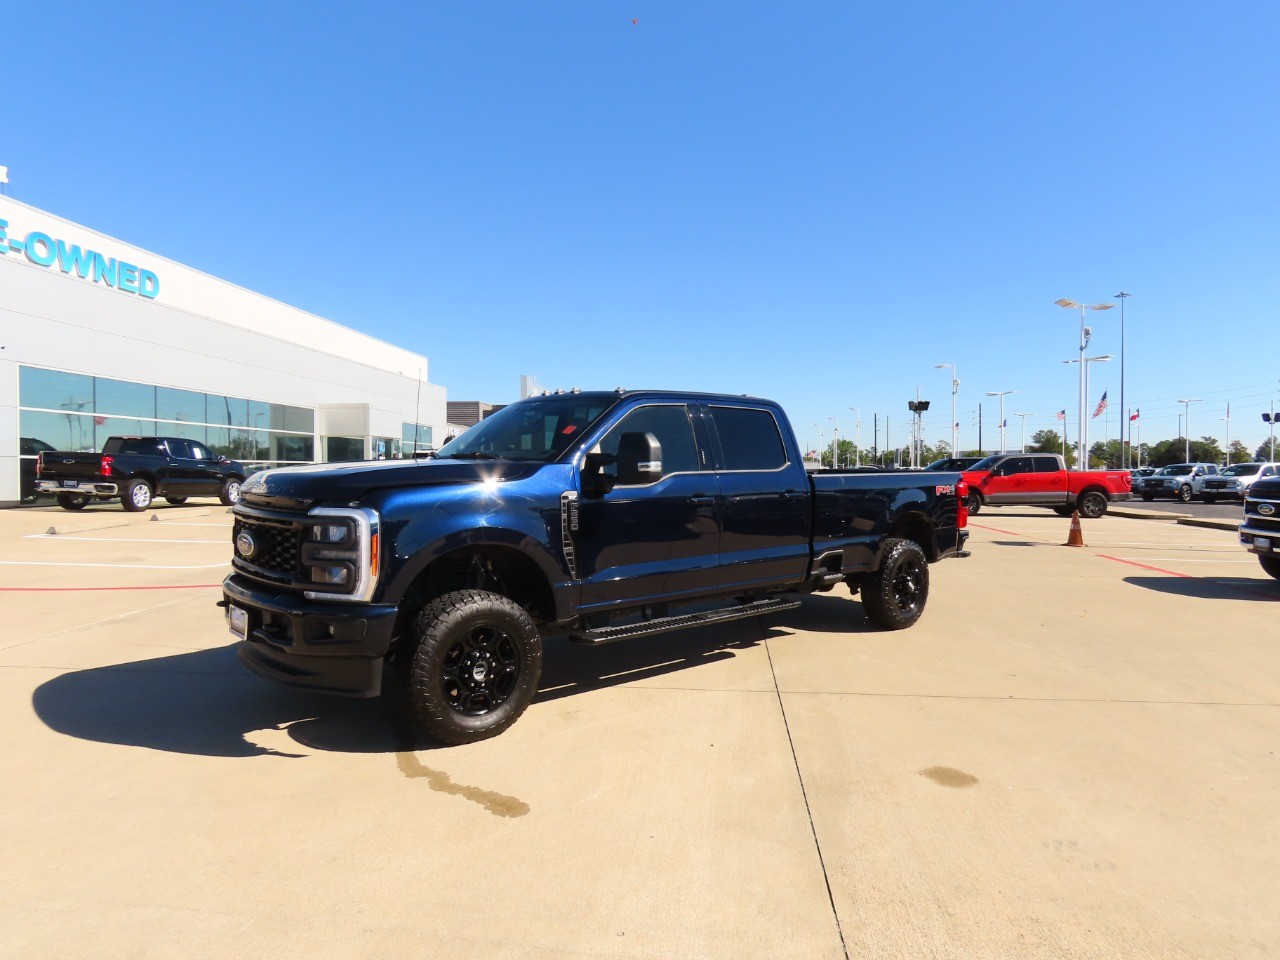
[238, 621]
[72, 484]
[1262, 543]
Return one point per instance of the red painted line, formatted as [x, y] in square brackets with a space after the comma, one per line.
[1134, 563]
[1008, 533]
[194, 586]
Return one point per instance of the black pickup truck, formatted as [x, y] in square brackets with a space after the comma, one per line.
[138, 469]
[1260, 529]
[603, 516]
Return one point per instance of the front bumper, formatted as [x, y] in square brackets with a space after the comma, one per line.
[328, 647]
[1255, 540]
[98, 488]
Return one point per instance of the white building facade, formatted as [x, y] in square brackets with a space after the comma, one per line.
[98, 337]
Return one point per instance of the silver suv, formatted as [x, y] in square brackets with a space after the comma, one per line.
[1234, 482]
[1181, 481]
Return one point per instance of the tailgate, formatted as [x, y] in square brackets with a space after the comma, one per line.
[71, 466]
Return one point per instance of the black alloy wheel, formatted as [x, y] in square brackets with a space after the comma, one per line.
[470, 666]
[894, 596]
[974, 503]
[1093, 505]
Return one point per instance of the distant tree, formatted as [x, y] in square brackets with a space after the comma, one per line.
[847, 451]
[1263, 453]
[1050, 441]
[1239, 452]
[1105, 454]
[1204, 450]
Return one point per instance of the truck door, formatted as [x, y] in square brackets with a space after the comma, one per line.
[653, 542]
[1051, 481]
[764, 539]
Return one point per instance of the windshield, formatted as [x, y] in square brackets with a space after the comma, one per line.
[1242, 470]
[988, 464]
[1177, 470]
[537, 429]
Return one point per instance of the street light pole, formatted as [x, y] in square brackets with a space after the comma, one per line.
[835, 439]
[1186, 420]
[1227, 418]
[1001, 394]
[1083, 455]
[1085, 334]
[955, 386]
[1024, 429]
[1124, 411]
[857, 443]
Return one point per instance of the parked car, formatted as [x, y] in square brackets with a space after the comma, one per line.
[947, 464]
[1180, 481]
[1234, 482]
[1042, 479]
[138, 469]
[29, 447]
[1260, 531]
[603, 516]
[1139, 472]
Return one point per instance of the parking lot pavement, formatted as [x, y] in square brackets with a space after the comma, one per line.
[1074, 753]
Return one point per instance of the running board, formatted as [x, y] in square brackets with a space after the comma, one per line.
[667, 624]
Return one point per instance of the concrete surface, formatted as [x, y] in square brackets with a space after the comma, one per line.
[1074, 754]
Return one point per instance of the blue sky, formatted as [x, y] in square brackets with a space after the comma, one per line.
[813, 202]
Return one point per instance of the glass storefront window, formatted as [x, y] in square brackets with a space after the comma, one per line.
[187, 431]
[409, 433]
[104, 427]
[61, 431]
[54, 390]
[301, 419]
[231, 411]
[173, 404]
[285, 447]
[123, 399]
[343, 449]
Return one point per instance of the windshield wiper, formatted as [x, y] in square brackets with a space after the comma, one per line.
[471, 455]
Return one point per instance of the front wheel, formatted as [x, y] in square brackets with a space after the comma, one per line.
[230, 494]
[1093, 505]
[974, 502]
[471, 666]
[137, 496]
[1271, 565]
[1209, 498]
[1148, 497]
[1064, 511]
[894, 596]
[72, 501]
[1184, 493]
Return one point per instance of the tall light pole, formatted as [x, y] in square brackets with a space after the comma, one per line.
[1124, 411]
[857, 443]
[1001, 394]
[1186, 421]
[1271, 419]
[1024, 429]
[955, 386]
[1084, 424]
[1228, 419]
[1085, 334]
[835, 439]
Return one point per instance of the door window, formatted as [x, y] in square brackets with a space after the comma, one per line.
[1016, 465]
[749, 439]
[1046, 464]
[670, 424]
[180, 449]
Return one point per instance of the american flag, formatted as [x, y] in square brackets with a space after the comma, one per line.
[1062, 414]
[1102, 405]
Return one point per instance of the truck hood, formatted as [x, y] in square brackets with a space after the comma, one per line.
[298, 488]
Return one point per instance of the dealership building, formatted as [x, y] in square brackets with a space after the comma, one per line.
[98, 337]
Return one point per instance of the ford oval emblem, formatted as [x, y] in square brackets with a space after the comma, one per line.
[245, 545]
[1266, 509]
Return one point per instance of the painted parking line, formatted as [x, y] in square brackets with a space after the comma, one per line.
[192, 586]
[117, 566]
[59, 536]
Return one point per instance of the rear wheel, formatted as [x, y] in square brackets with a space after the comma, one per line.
[1184, 493]
[137, 496]
[1271, 565]
[894, 596]
[470, 666]
[1064, 511]
[72, 501]
[975, 502]
[1093, 504]
[176, 501]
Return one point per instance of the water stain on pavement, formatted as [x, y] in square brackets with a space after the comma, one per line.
[498, 804]
[949, 777]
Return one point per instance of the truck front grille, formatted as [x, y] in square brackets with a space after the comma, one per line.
[1262, 523]
[275, 554]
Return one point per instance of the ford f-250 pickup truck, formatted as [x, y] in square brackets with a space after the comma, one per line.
[1042, 479]
[603, 516]
[1260, 531]
[138, 469]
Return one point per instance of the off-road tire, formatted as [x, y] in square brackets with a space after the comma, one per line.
[72, 501]
[230, 493]
[1271, 565]
[469, 668]
[894, 596]
[1092, 504]
[137, 496]
[176, 501]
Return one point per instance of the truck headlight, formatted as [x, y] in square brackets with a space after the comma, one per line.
[341, 552]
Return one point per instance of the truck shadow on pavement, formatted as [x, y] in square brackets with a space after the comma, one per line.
[205, 704]
[1219, 588]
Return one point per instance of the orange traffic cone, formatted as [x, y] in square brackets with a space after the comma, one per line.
[1076, 537]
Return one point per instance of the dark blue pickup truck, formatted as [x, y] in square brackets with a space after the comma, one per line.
[603, 516]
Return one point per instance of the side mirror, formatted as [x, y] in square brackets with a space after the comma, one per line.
[639, 458]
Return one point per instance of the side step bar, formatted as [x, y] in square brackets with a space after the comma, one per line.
[668, 624]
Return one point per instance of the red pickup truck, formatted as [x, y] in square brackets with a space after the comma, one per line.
[1043, 480]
